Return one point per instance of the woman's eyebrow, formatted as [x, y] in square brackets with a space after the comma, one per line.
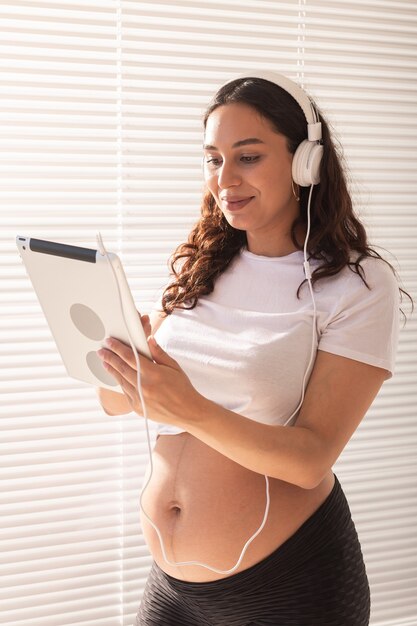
[242, 142]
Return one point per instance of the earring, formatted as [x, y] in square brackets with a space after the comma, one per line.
[296, 195]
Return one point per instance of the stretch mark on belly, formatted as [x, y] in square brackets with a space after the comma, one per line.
[177, 514]
[175, 503]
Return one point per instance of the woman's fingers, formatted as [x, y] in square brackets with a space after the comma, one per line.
[146, 324]
[120, 378]
[121, 350]
[128, 389]
[120, 359]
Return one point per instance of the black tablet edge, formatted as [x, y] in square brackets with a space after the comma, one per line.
[63, 249]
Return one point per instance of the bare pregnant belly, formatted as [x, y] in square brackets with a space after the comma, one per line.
[207, 506]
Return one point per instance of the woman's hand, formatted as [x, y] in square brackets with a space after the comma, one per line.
[167, 391]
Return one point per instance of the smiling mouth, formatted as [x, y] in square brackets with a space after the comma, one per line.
[237, 204]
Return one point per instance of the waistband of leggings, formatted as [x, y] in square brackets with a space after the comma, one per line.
[335, 504]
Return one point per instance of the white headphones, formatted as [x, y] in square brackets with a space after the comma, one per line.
[307, 157]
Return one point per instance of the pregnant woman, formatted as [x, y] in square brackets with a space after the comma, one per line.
[260, 372]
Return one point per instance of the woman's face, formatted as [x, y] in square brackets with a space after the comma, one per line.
[247, 168]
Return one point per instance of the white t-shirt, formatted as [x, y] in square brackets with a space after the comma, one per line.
[247, 345]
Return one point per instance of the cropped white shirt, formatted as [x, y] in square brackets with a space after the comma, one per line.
[247, 345]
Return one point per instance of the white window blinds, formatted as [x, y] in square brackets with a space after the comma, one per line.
[69, 473]
[360, 62]
[101, 130]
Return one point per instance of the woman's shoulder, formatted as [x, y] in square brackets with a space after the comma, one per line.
[362, 320]
[370, 267]
[362, 279]
[376, 271]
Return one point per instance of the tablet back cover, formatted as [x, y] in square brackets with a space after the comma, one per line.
[78, 295]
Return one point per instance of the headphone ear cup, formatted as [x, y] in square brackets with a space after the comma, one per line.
[306, 163]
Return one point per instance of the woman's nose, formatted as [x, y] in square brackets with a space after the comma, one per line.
[228, 176]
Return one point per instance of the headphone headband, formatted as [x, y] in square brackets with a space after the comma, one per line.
[299, 95]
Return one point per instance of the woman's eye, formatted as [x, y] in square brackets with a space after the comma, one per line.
[245, 159]
[249, 159]
[212, 161]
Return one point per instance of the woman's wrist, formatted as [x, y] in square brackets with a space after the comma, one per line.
[112, 402]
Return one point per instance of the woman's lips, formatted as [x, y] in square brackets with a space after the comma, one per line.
[236, 204]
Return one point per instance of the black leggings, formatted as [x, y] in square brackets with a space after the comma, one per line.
[315, 578]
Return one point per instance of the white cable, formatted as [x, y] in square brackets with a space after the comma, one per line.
[103, 251]
[307, 271]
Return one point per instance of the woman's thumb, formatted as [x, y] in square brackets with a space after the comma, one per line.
[146, 324]
[158, 354]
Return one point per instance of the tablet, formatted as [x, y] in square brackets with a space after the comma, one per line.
[77, 291]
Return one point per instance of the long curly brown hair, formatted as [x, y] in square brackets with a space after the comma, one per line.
[335, 230]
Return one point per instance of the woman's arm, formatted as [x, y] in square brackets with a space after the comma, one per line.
[115, 403]
[338, 395]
